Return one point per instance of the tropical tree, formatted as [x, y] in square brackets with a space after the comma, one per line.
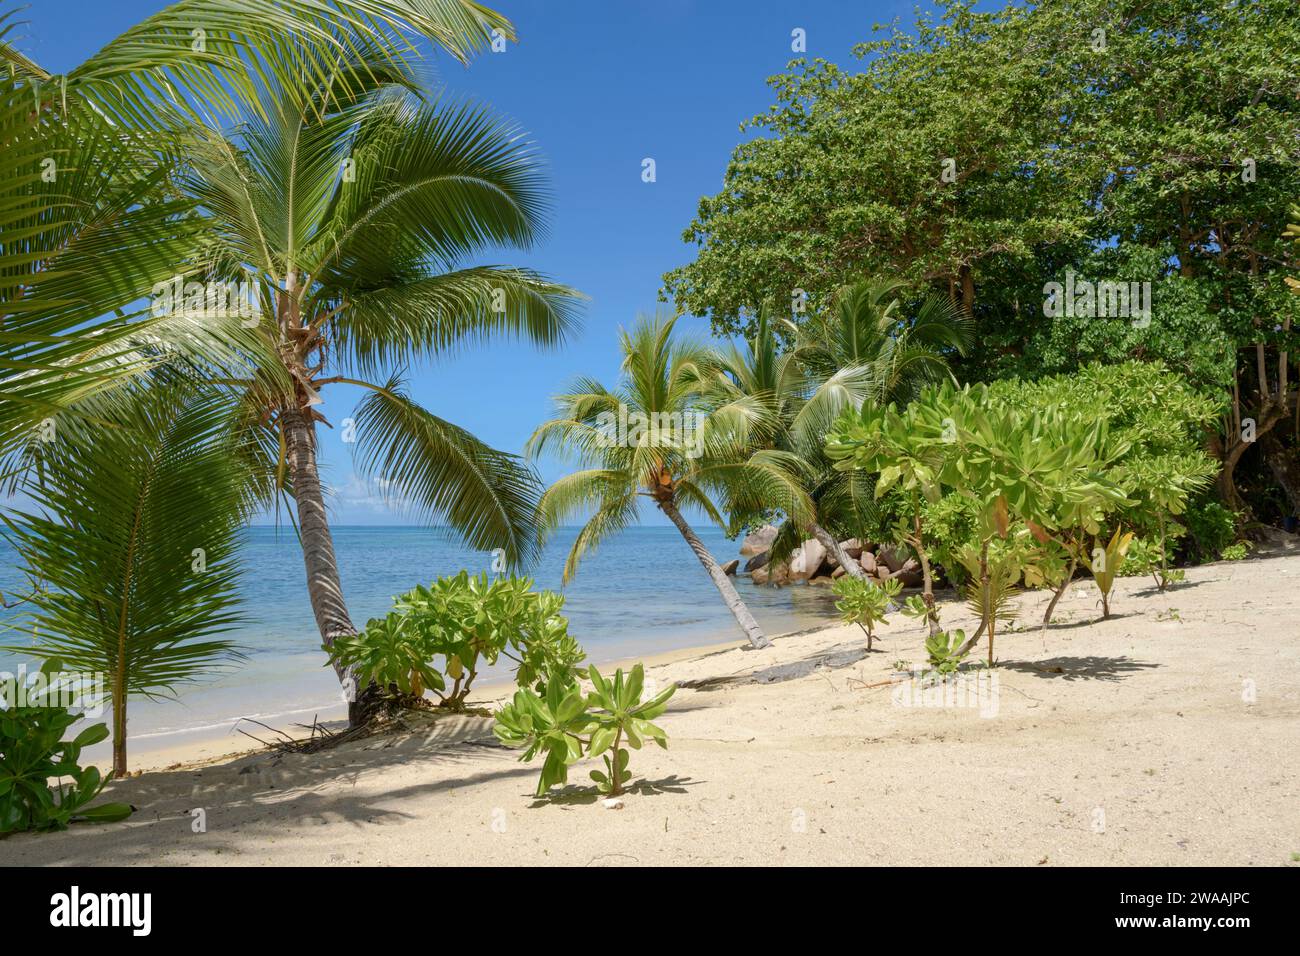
[130, 547]
[89, 216]
[864, 351]
[657, 435]
[354, 215]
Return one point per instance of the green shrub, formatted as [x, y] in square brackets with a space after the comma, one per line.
[864, 603]
[567, 726]
[32, 753]
[1212, 526]
[1235, 552]
[442, 635]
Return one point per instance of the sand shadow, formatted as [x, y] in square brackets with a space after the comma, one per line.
[1079, 668]
[1082, 622]
[574, 795]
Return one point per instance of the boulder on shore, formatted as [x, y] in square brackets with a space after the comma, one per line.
[758, 560]
[821, 581]
[838, 573]
[867, 561]
[852, 547]
[909, 575]
[807, 560]
[893, 557]
[775, 574]
[731, 566]
[756, 542]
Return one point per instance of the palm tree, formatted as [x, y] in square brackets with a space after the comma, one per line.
[130, 547]
[863, 350]
[771, 376]
[354, 214]
[346, 203]
[655, 436]
[89, 216]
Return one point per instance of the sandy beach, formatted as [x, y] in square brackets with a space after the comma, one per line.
[1164, 736]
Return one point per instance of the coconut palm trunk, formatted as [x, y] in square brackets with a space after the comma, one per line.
[757, 639]
[832, 546]
[323, 583]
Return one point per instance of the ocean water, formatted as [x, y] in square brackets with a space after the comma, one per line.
[643, 592]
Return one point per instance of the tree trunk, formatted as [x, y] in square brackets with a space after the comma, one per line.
[723, 583]
[832, 546]
[119, 732]
[927, 576]
[323, 583]
[1060, 592]
[1284, 463]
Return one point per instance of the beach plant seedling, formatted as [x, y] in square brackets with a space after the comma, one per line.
[945, 651]
[1235, 552]
[33, 753]
[567, 725]
[864, 603]
[1105, 564]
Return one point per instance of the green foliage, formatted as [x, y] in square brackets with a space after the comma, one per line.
[465, 623]
[1212, 526]
[132, 544]
[1235, 552]
[567, 725]
[33, 752]
[863, 602]
[1106, 561]
[944, 649]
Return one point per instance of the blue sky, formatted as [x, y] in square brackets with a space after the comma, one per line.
[599, 85]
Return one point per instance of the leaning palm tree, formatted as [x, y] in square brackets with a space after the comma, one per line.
[656, 436]
[353, 211]
[129, 546]
[89, 216]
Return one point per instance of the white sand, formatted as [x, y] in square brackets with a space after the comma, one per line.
[1118, 742]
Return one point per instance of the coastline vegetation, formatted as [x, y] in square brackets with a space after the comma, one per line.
[938, 358]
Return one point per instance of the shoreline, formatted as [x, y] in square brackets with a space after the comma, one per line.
[218, 742]
[1163, 736]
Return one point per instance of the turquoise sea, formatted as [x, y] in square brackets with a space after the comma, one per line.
[642, 593]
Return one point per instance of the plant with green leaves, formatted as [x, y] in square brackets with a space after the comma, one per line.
[659, 435]
[466, 622]
[89, 205]
[910, 450]
[1105, 563]
[865, 603]
[946, 650]
[131, 546]
[33, 752]
[1163, 485]
[567, 725]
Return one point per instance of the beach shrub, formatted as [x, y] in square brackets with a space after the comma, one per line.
[865, 603]
[437, 638]
[567, 725]
[33, 753]
[1235, 552]
[1212, 526]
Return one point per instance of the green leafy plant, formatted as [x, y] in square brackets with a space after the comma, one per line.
[566, 725]
[443, 634]
[1105, 563]
[1235, 552]
[33, 752]
[946, 651]
[864, 603]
